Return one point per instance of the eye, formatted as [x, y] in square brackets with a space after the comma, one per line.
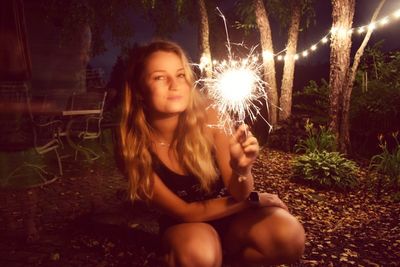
[181, 75]
[159, 77]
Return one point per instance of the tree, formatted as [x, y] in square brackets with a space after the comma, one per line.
[268, 60]
[169, 15]
[344, 140]
[285, 100]
[204, 38]
[342, 20]
[290, 14]
[72, 16]
[342, 76]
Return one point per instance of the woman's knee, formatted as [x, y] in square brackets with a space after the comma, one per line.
[200, 249]
[289, 237]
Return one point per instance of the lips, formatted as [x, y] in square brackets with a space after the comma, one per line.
[174, 97]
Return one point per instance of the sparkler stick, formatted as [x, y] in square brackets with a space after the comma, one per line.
[236, 88]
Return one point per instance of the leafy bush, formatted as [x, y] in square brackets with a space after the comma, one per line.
[326, 169]
[313, 101]
[316, 140]
[375, 99]
[387, 163]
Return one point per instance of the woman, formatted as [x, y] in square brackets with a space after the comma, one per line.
[179, 165]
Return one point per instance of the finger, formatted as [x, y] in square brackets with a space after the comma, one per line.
[241, 132]
[250, 141]
[283, 206]
[251, 150]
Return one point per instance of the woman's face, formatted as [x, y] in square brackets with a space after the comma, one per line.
[167, 89]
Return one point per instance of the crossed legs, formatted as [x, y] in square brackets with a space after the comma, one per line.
[255, 236]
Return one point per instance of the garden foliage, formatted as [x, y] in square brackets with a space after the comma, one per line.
[387, 164]
[321, 165]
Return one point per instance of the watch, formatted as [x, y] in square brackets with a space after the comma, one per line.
[254, 197]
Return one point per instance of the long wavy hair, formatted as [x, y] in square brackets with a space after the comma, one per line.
[193, 147]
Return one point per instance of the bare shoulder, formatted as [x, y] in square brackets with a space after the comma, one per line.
[212, 115]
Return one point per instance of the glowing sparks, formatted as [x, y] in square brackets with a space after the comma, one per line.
[236, 89]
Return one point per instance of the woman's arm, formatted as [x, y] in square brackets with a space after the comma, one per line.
[202, 211]
[164, 199]
[235, 156]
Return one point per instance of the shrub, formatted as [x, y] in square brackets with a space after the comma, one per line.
[375, 100]
[316, 140]
[313, 101]
[387, 164]
[326, 169]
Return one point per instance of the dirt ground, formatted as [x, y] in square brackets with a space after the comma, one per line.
[84, 220]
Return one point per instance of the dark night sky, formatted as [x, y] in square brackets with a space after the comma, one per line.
[187, 37]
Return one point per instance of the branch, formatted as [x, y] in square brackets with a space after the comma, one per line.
[364, 43]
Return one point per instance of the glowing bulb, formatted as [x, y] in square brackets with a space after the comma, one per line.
[324, 40]
[215, 62]
[372, 26]
[314, 47]
[397, 14]
[361, 30]
[342, 32]
[334, 30]
[305, 53]
[267, 55]
[296, 57]
[280, 57]
[384, 21]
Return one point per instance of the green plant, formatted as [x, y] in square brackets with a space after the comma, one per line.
[375, 100]
[313, 101]
[320, 139]
[387, 163]
[327, 169]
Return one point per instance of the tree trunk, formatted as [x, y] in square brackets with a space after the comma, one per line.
[268, 62]
[342, 20]
[204, 43]
[344, 137]
[285, 100]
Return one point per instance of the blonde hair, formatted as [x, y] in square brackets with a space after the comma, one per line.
[193, 147]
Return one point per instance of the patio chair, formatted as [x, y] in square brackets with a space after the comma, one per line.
[20, 133]
[86, 113]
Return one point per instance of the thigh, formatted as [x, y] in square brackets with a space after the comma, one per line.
[260, 227]
[198, 242]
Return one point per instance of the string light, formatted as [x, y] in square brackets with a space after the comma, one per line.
[397, 14]
[342, 32]
[268, 55]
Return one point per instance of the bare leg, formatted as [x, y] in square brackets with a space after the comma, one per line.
[264, 236]
[192, 244]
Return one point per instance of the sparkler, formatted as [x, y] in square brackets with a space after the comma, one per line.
[235, 88]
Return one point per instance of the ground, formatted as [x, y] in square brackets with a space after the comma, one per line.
[84, 220]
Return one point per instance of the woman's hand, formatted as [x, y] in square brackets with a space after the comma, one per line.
[244, 150]
[271, 200]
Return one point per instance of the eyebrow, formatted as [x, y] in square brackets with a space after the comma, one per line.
[178, 70]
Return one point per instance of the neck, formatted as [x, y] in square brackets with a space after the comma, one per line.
[164, 128]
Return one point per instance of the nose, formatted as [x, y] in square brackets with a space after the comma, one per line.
[173, 84]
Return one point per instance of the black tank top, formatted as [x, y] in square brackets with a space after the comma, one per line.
[186, 187]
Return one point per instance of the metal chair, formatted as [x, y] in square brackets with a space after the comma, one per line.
[86, 113]
[19, 132]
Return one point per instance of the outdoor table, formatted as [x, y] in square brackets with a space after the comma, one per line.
[74, 116]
